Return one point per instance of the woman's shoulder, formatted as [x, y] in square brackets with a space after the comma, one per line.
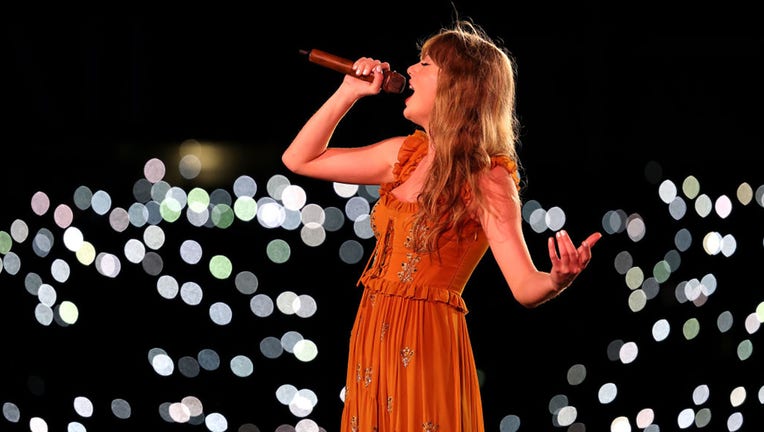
[504, 170]
[410, 149]
[413, 146]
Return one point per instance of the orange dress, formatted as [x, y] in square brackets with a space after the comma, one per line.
[410, 364]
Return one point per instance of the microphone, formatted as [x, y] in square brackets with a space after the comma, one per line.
[393, 82]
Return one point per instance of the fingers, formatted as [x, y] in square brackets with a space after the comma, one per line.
[567, 254]
[365, 66]
[592, 239]
[552, 251]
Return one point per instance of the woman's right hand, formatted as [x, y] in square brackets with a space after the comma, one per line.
[366, 66]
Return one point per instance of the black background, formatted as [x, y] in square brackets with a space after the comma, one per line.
[603, 94]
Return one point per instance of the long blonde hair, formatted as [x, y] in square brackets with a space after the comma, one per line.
[472, 121]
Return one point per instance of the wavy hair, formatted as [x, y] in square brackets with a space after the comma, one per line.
[472, 121]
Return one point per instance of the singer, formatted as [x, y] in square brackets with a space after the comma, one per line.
[449, 190]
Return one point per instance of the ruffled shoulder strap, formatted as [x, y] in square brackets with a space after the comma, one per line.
[413, 149]
[510, 166]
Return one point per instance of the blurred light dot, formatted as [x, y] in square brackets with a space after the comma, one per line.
[744, 349]
[685, 418]
[121, 408]
[271, 347]
[712, 243]
[510, 423]
[242, 366]
[261, 305]
[566, 416]
[220, 313]
[734, 422]
[723, 206]
[356, 208]
[82, 197]
[537, 220]
[744, 193]
[700, 394]
[313, 234]
[703, 205]
[691, 328]
[100, 202]
[63, 216]
[293, 197]
[629, 352]
[222, 215]
[614, 221]
[635, 228]
[607, 393]
[623, 262]
[246, 282]
[312, 213]
[167, 286]
[667, 191]
[351, 251]
[220, 267]
[683, 239]
[661, 330]
[68, 312]
[691, 187]
[614, 350]
[245, 208]
[198, 200]
[729, 245]
[191, 293]
[216, 422]
[285, 393]
[270, 214]
[208, 359]
[162, 364]
[86, 254]
[555, 218]
[154, 170]
[634, 278]
[620, 424]
[345, 190]
[362, 227]
[677, 208]
[305, 350]
[189, 166]
[278, 251]
[119, 219]
[703, 418]
[645, 418]
[40, 203]
[276, 185]
[576, 374]
[637, 300]
[333, 219]
[244, 186]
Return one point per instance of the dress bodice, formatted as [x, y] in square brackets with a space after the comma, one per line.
[394, 267]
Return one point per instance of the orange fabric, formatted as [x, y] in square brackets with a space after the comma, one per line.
[410, 365]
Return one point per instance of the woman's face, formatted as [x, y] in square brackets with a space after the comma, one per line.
[423, 81]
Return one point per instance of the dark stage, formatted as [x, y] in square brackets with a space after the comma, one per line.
[160, 269]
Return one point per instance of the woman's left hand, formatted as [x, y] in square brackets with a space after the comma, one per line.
[567, 260]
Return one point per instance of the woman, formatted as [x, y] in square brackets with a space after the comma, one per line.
[448, 191]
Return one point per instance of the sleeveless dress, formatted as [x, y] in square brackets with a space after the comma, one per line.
[410, 363]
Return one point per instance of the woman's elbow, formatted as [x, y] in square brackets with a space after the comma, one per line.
[290, 163]
[527, 301]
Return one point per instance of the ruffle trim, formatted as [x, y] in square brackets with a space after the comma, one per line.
[413, 149]
[414, 292]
